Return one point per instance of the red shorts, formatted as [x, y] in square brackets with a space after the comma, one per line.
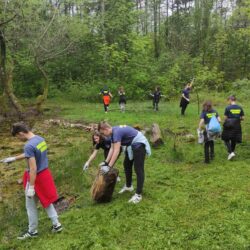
[106, 99]
[44, 187]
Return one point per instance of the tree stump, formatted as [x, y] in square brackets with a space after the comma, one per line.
[156, 136]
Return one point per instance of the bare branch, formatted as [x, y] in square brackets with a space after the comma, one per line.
[52, 56]
[5, 22]
[47, 28]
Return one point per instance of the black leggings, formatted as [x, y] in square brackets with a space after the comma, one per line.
[209, 150]
[231, 145]
[155, 105]
[105, 107]
[183, 108]
[138, 161]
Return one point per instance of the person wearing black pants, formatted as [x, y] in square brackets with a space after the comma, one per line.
[98, 142]
[205, 117]
[231, 145]
[208, 150]
[232, 133]
[138, 161]
[137, 146]
[185, 98]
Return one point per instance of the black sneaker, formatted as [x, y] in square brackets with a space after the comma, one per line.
[56, 228]
[28, 235]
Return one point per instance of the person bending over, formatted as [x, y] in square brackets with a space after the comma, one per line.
[137, 147]
[98, 142]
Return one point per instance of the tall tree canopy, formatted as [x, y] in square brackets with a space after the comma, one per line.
[50, 46]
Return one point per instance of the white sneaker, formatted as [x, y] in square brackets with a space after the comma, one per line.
[230, 156]
[27, 235]
[125, 189]
[136, 198]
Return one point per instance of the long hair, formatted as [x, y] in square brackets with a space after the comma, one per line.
[207, 106]
[97, 133]
[121, 89]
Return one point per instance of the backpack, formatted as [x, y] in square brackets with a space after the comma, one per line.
[214, 125]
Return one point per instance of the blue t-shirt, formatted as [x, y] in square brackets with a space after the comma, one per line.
[36, 147]
[157, 96]
[186, 92]
[207, 115]
[234, 111]
[123, 134]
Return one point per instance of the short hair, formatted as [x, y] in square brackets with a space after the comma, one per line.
[103, 125]
[19, 127]
[232, 98]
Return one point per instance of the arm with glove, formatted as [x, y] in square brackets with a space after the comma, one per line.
[9, 160]
[110, 161]
[91, 158]
[30, 192]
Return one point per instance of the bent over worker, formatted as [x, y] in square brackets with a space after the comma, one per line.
[137, 148]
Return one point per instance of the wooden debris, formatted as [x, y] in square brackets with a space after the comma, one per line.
[156, 136]
[66, 124]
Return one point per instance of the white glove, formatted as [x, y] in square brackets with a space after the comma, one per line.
[30, 192]
[105, 169]
[103, 163]
[8, 159]
[85, 166]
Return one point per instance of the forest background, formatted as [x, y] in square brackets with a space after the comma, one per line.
[49, 48]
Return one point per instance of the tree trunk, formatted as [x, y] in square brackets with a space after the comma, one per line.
[146, 17]
[42, 98]
[156, 44]
[156, 136]
[9, 102]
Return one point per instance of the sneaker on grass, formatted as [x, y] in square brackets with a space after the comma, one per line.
[136, 198]
[230, 156]
[27, 235]
[56, 228]
[126, 189]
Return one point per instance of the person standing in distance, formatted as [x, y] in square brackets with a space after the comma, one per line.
[185, 99]
[106, 98]
[122, 99]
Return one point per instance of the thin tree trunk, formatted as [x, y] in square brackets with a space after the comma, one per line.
[42, 98]
[6, 81]
[155, 30]
[146, 17]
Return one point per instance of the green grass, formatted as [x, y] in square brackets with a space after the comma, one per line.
[186, 204]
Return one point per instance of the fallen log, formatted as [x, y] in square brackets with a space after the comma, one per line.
[66, 124]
